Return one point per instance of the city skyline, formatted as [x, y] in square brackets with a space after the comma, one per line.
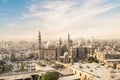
[21, 20]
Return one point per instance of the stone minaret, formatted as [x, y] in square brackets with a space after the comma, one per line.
[39, 40]
[39, 46]
[60, 42]
[59, 49]
[71, 53]
[68, 41]
[72, 57]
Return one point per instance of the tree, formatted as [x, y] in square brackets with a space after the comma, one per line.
[2, 63]
[92, 59]
[50, 76]
[22, 67]
[5, 67]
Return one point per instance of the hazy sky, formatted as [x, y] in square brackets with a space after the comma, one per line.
[22, 19]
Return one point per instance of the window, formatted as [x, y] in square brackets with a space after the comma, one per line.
[85, 77]
[75, 72]
[46, 54]
[80, 74]
[52, 54]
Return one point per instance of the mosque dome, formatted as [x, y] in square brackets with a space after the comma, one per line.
[80, 43]
[50, 45]
[66, 54]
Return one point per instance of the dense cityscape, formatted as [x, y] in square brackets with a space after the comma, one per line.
[59, 39]
[79, 59]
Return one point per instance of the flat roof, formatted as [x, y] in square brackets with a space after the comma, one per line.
[12, 77]
[65, 72]
[72, 77]
[47, 68]
[112, 60]
[97, 71]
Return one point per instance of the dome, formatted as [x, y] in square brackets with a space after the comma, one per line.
[66, 54]
[81, 43]
[50, 45]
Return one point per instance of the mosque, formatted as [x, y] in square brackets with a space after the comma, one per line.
[63, 53]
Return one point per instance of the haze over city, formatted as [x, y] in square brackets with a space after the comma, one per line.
[59, 39]
[22, 19]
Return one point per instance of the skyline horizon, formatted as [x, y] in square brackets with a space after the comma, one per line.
[64, 37]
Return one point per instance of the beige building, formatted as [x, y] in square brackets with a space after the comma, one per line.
[118, 66]
[111, 59]
[63, 52]
[51, 52]
[48, 52]
[106, 55]
[83, 52]
[93, 71]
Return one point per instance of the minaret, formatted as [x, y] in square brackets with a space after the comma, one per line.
[39, 39]
[39, 46]
[71, 52]
[59, 49]
[68, 41]
[72, 57]
[60, 42]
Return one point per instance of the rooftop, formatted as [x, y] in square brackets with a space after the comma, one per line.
[97, 71]
[65, 72]
[72, 77]
[111, 60]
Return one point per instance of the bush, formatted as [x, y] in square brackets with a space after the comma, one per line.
[92, 59]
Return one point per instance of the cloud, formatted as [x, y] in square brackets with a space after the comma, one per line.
[11, 24]
[72, 16]
[84, 18]
[33, 8]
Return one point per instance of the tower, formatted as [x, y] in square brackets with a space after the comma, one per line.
[39, 40]
[71, 52]
[39, 46]
[68, 41]
[59, 49]
[60, 42]
[72, 57]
